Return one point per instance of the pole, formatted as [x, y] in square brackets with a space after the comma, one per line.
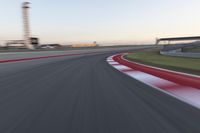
[27, 41]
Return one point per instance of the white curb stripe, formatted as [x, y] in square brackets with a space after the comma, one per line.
[187, 94]
[121, 67]
[191, 95]
[113, 63]
[147, 78]
[110, 60]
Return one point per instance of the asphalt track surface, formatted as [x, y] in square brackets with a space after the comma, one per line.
[84, 94]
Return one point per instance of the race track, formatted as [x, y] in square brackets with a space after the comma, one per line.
[84, 94]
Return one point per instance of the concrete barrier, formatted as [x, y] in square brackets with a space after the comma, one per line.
[176, 53]
[177, 50]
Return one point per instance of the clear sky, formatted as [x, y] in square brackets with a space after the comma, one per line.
[104, 21]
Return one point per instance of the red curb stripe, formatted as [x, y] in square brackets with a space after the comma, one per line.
[184, 93]
[181, 79]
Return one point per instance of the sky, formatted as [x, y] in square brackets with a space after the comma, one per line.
[104, 21]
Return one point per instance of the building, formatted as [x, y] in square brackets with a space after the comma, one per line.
[85, 45]
[50, 46]
[20, 43]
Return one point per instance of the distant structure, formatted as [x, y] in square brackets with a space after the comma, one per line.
[192, 38]
[50, 46]
[94, 44]
[27, 41]
[34, 42]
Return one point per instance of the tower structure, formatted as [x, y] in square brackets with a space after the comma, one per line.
[27, 38]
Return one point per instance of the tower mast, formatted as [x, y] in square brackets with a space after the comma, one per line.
[27, 41]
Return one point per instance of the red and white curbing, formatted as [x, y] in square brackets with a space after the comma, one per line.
[186, 93]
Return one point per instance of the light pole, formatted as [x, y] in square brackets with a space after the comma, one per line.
[27, 41]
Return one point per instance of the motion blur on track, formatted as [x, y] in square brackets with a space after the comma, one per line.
[84, 94]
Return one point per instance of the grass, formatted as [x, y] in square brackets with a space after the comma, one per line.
[187, 65]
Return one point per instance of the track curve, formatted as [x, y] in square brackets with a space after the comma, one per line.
[86, 95]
